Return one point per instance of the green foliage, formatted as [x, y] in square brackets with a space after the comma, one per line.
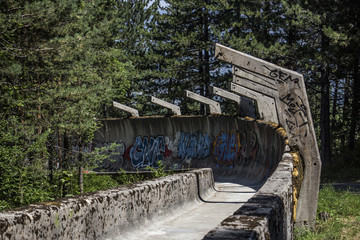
[159, 171]
[60, 70]
[94, 159]
[344, 210]
[63, 62]
[93, 182]
[184, 38]
[127, 178]
[22, 167]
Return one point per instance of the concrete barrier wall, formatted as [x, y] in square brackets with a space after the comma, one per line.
[239, 149]
[106, 213]
[268, 214]
[234, 147]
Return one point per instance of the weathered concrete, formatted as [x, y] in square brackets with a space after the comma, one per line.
[256, 87]
[175, 109]
[213, 105]
[132, 111]
[246, 107]
[265, 105]
[243, 149]
[193, 222]
[107, 213]
[293, 110]
[267, 215]
[254, 77]
[237, 150]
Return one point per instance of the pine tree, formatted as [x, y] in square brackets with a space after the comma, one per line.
[59, 68]
[185, 37]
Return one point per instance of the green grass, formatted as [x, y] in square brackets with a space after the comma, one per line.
[344, 221]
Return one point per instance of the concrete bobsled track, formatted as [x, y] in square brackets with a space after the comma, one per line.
[251, 198]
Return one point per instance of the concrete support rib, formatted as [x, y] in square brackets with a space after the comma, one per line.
[265, 105]
[243, 74]
[132, 111]
[294, 114]
[175, 109]
[213, 105]
[246, 106]
[256, 87]
[225, 94]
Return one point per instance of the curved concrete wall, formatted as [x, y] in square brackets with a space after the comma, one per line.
[244, 149]
[268, 214]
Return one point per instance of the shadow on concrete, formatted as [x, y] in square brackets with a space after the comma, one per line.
[235, 191]
[222, 202]
[231, 234]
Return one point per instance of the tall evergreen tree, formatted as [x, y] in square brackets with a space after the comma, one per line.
[185, 37]
[58, 69]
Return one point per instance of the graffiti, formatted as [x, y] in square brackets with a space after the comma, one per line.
[283, 77]
[115, 159]
[226, 148]
[172, 144]
[295, 115]
[193, 146]
[76, 149]
[249, 152]
[294, 106]
[148, 151]
[296, 118]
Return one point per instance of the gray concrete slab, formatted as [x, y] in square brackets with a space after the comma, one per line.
[195, 220]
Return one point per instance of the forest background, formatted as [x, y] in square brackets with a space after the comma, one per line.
[63, 62]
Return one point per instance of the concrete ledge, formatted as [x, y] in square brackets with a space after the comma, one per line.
[205, 180]
[106, 213]
[267, 215]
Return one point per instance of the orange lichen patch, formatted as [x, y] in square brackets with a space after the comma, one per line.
[275, 126]
[282, 132]
[249, 118]
[272, 124]
[297, 178]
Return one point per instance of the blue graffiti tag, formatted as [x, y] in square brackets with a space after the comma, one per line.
[194, 146]
[147, 152]
[226, 147]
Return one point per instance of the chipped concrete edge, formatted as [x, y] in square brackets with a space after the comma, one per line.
[106, 213]
[268, 214]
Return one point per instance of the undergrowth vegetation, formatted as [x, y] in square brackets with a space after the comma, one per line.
[70, 186]
[342, 219]
[345, 167]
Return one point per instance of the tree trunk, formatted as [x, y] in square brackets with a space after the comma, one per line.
[333, 115]
[345, 113]
[201, 76]
[354, 105]
[206, 60]
[325, 117]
